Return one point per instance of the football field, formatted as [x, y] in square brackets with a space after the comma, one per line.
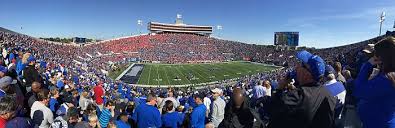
[181, 74]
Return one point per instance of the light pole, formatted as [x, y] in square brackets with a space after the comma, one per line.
[382, 18]
[139, 24]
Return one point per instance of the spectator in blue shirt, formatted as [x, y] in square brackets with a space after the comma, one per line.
[258, 91]
[123, 121]
[53, 102]
[376, 106]
[335, 88]
[170, 118]
[199, 112]
[147, 115]
[107, 114]
[180, 111]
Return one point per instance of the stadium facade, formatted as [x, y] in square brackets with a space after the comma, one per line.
[179, 27]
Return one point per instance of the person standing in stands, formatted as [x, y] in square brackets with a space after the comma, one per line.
[147, 115]
[199, 112]
[218, 107]
[338, 72]
[170, 118]
[66, 119]
[308, 104]
[30, 74]
[376, 105]
[53, 102]
[123, 121]
[99, 93]
[8, 109]
[337, 90]
[257, 92]
[106, 114]
[268, 88]
[40, 114]
[36, 87]
[238, 114]
[170, 96]
[6, 87]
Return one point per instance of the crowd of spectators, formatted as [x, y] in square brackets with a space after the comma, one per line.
[57, 85]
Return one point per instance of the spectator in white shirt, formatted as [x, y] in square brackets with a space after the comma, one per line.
[42, 116]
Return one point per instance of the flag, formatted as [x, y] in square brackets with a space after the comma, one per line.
[382, 17]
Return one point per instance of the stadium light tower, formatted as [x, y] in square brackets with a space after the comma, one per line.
[139, 25]
[382, 18]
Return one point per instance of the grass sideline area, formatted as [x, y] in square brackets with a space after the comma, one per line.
[181, 74]
[114, 74]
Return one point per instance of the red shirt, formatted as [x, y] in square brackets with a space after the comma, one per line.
[3, 122]
[98, 94]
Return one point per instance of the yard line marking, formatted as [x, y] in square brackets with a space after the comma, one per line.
[149, 74]
[168, 81]
[184, 76]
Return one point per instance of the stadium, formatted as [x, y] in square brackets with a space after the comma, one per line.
[183, 75]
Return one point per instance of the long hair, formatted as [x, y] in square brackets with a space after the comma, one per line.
[25, 57]
[385, 50]
[267, 84]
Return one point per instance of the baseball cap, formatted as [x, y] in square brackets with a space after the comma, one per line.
[3, 69]
[216, 90]
[31, 58]
[316, 63]
[304, 56]
[61, 111]
[5, 81]
[369, 49]
[199, 95]
[329, 70]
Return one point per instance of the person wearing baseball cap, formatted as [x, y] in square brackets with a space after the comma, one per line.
[5, 86]
[3, 71]
[218, 107]
[314, 102]
[30, 74]
[199, 112]
[336, 88]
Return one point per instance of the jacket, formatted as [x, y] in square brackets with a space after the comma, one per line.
[310, 106]
[218, 111]
[376, 105]
[198, 116]
[30, 74]
[244, 117]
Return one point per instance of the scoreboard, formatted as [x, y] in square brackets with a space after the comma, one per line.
[79, 40]
[286, 38]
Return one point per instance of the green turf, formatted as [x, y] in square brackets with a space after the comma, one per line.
[165, 74]
[114, 74]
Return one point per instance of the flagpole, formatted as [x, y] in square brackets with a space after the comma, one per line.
[381, 24]
[382, 18]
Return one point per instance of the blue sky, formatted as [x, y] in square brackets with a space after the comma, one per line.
[321, 23]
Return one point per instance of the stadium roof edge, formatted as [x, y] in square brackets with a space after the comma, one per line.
[181, 24]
